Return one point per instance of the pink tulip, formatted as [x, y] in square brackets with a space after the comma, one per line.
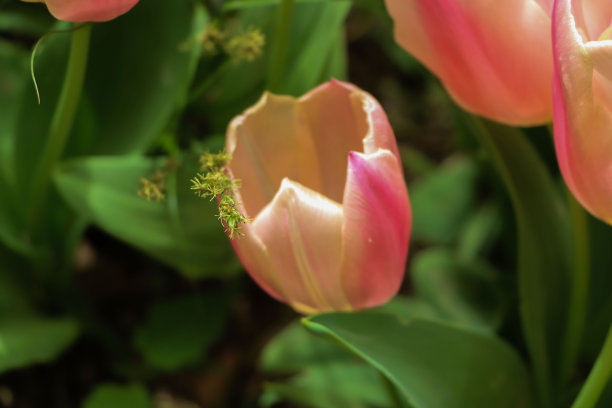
[87, 10]
[323, 183]
[493, 56]
[582, 42]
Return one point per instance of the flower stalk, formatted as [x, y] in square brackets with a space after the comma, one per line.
[212, 182]
[62, 120]
[598, 378]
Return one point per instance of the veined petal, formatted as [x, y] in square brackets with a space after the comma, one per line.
[376, 228]
[583, 120]
[89, 10]
[494, 57]
[301, 234]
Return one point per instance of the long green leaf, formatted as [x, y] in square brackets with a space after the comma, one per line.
[182, 230]
[433, 364]
[29, 339]
[543, 247]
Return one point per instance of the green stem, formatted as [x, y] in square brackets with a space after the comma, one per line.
[62, 120]
[579, 288]
[579, 284]
[278, 59]
[598, 378]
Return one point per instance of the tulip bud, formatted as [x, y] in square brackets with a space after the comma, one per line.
[87, 10]
[323, 184]
[493, 57]
[582, 41]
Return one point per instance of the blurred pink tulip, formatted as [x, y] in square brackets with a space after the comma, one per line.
[323, 183]
[493, 56]
[87, 10]
[582, 42]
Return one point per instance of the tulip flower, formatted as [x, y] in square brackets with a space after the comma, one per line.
[494, 57]
[87, 10]
[582, 41]
[322, 181]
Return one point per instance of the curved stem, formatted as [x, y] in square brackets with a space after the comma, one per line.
[598, 378]
[579, 288]
[62, 120]
[279, 52]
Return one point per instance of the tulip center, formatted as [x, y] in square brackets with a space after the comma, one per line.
[306, 140]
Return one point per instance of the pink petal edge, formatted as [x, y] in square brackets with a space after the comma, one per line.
[376, 228]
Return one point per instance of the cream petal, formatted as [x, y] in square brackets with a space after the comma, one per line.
[376, 228]
[267, 143]
[336, 128]
[301, 233]
[494, 57]
[547, 5]
[377, 129]
[600, 53]
[597, 17]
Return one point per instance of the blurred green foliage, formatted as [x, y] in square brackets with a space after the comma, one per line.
[121, 298]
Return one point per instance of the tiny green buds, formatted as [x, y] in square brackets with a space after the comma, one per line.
[213, 182]
[247, 46]
[153, 189]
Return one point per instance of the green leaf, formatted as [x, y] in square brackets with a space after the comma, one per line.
[543, 247]
[314, 43]
[331, 385]
[182, 231]
[13, 78]
[25, 19]
[315, 52]
[434, 365]
[137, 75]
[295, 348]
[13, 300]
[118, 396]
[408, 307]
[469, 293]
[135, 79]
[28, 340]
[480, 233]
[326, 375]
[443, 200]
[600, 302]
[177, 332]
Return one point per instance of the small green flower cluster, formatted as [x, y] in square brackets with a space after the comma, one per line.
[153, 189]
[213, 182]
[246, 46]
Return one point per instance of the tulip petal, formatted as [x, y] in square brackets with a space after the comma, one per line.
[336, 128]
[267, 143]
[89, 10]
[597, 15]
[301, 233]
[600, 53]
[252, 254]
[583, 120]
[376, 228]
[494, 57]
